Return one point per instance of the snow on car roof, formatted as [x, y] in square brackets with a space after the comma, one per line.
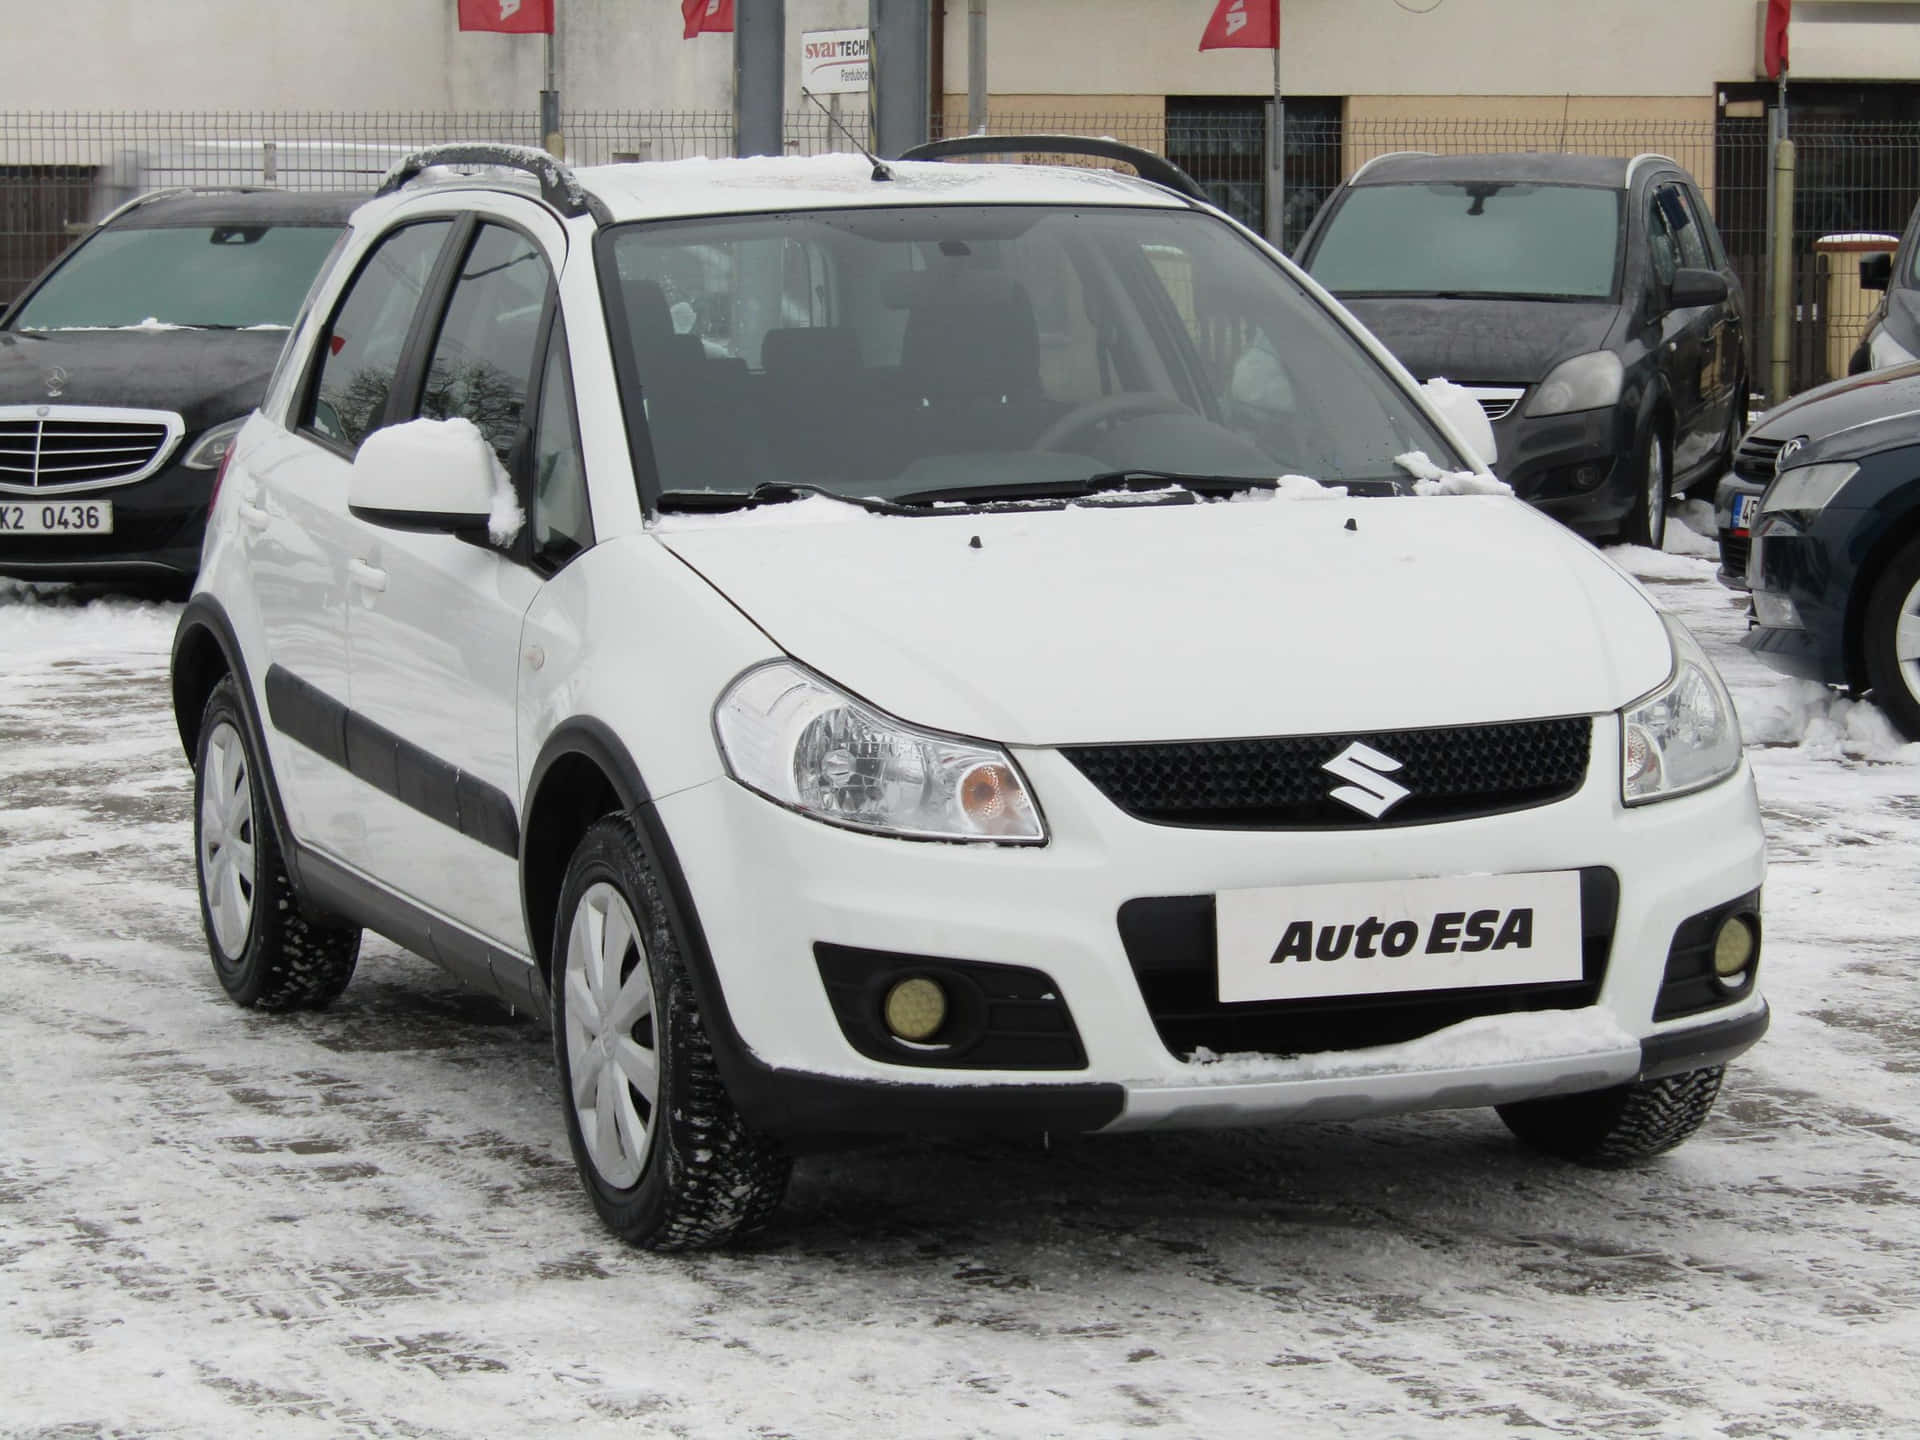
[1409, 168]
[662, 189]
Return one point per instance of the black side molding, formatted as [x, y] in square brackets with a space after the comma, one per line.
[1157, 168]
[1698, 1046]
[392, 764]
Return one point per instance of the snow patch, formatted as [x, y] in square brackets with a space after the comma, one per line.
[1486, 1040]
[813, 510]
[1430, 479]
[1299, 487]
[1464, 413]
[1823, 723]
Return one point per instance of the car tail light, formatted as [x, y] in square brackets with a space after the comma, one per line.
[218, 475]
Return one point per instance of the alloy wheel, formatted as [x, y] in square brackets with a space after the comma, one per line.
[1906, 640]
[613, 1052]
[227, 839]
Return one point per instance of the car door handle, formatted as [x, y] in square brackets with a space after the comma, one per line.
[366, 576]
[254, 515]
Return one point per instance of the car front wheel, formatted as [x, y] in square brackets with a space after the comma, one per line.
[664, 1156]
[1620, 1125]
[266, 951]
[1892, 641]
[1646, 522]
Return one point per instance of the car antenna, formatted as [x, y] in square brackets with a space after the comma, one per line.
[880, 170]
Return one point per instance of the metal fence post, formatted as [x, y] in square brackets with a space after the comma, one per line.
[1780, 382]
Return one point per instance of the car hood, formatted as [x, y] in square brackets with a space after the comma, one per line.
[1860, 415]
[205, 375]
[1491, 342]
[1170, 622]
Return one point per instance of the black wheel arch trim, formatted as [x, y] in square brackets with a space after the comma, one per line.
[1672, 1052]
[803, 1110]
[205, 615]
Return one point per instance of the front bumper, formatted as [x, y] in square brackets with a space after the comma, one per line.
[1577, 468]
[768, 885]
[1803, 559]
[1736, 542]
[158, 524]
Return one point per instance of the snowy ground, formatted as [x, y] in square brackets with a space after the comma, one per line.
[365, 1222]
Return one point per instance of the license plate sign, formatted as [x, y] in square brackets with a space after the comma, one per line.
[1383, 938]
[1745, 507]
[56, 517]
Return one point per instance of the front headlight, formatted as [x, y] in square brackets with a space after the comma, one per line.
[808, 745]
[212, 446]
[1682, 737]
[1586, 382]
[1806, 488]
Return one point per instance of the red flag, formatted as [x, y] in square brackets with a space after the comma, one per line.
[716, 15]
[1243, 25]
[508, 17]
[1778, 12]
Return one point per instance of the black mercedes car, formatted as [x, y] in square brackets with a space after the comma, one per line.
[127, 368]
[1586, 301]
[1835, 562]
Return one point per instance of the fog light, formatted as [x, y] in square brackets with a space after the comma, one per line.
[1774, 610]
[916, 1009]
[1587, 477]
[1733, 947]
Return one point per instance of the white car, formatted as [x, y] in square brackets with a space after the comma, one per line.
[859, 650]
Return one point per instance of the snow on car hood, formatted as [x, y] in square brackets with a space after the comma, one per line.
[1171, 622]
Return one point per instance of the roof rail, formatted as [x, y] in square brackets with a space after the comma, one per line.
[1647, 157]
[1390, 155]
[558, 185]
[1156, 168]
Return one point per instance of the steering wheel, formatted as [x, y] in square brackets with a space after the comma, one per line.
[1102, 409]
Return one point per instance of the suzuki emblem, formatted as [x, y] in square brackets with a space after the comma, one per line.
[1366, 769]
[57, 379]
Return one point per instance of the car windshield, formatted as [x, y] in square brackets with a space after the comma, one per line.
[1550, 242]
[227, 276]
[974, 353]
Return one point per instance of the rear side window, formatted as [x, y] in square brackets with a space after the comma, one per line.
[361, 348]
[482, 359]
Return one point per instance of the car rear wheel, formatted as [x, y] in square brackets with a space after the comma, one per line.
[1620, 1125]
[1646, 522]
[266, 952]
[1892, 641]
[664, 1156]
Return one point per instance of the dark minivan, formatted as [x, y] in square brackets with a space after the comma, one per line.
[1586, 301]
[128, 367]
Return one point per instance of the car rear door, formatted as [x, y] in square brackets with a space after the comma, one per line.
[295, 530]
[435, 620]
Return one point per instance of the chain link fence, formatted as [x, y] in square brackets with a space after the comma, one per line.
[60, 172]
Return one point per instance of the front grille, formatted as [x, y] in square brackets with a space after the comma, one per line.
[1733, 552]
[1281, 783]
[74, 447]
[1754, 459]
[1170, 944]
[1496, 401]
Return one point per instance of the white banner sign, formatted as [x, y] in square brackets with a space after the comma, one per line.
[836, 62]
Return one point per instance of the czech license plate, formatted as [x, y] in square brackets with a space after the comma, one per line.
[56, 517]
[1745, 507]
[1381, 938]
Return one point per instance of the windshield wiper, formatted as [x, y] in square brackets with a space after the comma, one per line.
[771, 492]
[1107, 482]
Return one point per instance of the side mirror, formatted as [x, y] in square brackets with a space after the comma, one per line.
[1876, 271]
[434, 475]
[1696, 287]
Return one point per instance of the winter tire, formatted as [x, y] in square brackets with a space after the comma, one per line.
[1891, 639]
[1646, 522]
[664, 1156]
[266, 951]
[1621, 1125]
